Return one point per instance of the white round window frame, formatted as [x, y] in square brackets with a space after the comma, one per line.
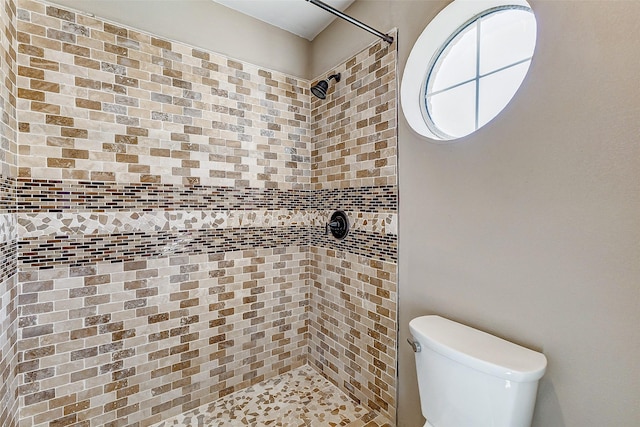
[429, 44]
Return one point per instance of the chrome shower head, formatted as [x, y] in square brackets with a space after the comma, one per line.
[320, 88]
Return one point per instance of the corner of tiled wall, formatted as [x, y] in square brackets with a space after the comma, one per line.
[354, 281]
[8, 235]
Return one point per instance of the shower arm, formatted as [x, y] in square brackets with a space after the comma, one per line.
[330, 9]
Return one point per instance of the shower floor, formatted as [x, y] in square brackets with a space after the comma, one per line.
[301, 397]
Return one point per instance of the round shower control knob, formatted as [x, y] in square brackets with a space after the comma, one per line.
[338, 225]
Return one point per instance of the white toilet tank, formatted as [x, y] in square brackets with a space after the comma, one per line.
[468, 378]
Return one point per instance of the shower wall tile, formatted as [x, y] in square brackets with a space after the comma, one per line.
[8, 337]
[170, 208]
[354, 129]
[352, 322]
[162, 222]
[103, 102]
[8, 90]
[8, 231]
[113, 344]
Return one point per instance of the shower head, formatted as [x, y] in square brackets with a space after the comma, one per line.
[320, 88]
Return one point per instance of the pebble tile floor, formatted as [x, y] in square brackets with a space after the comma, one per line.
[299, 398]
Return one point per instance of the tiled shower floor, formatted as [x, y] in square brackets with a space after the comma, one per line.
[301, 397]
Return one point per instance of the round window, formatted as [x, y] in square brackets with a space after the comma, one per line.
[479, 53]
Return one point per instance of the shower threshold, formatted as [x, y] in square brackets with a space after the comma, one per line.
[299, 398]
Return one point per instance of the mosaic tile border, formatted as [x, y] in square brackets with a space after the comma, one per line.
[7, 194]
[49, 251]
[90, 223]
[63, 196]
[34, 225]
[370, 245]
[369, 222]
[8, 255]
[362, 199]
[57, 196]
[8, 227]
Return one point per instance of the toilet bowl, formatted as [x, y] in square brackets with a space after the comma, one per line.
[468, 378]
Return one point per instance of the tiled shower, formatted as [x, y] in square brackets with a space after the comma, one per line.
[162, 224]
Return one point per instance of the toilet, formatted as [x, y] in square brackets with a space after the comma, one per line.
[468, 378]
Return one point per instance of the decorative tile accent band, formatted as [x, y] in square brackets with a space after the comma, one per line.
[8, 227]
[8, 255]
[378, 222]
[364, 199]
[36, 195]
[46, 252]
[7, 194]
[57, 196]
[34, 225]
[370, 245]
[82, 224]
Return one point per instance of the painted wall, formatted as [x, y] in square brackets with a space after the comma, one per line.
[530, 228]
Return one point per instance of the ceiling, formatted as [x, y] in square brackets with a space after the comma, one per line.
[296, 16]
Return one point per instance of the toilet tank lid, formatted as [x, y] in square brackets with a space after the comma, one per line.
[478, 350]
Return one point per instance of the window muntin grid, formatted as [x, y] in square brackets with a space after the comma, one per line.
[478, 69]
